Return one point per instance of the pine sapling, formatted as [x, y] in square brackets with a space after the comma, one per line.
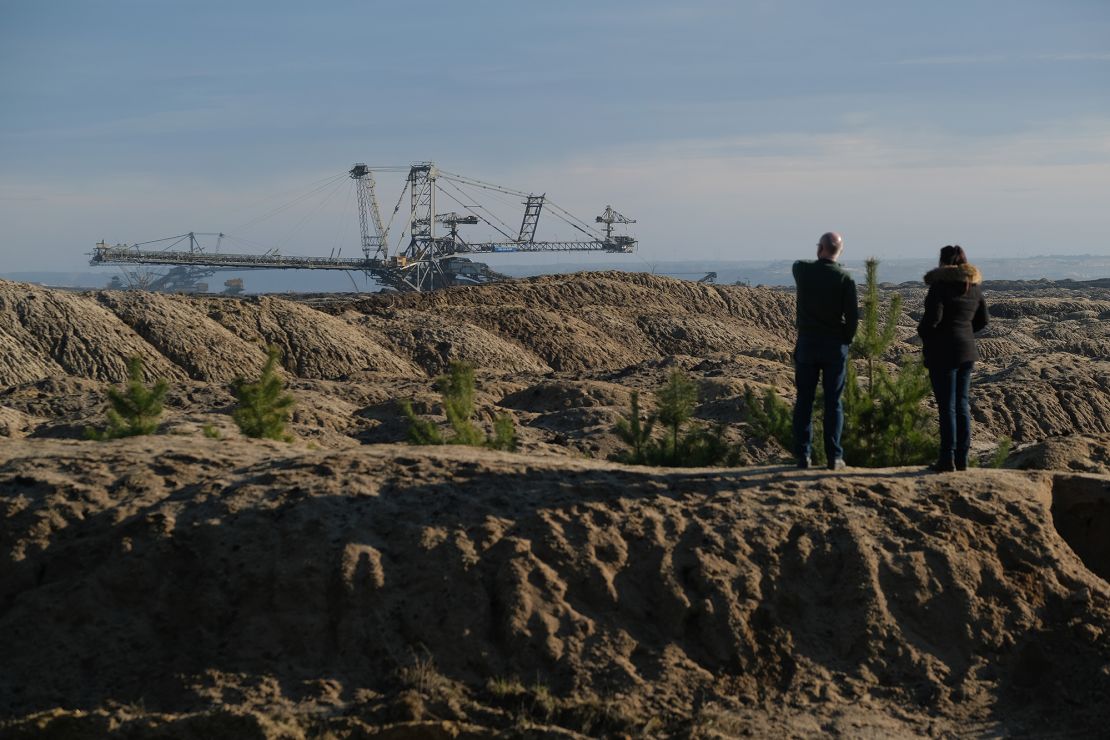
[860, 416]
[635, 432]
[704, 446]
[1001, 452]
[770, 417]
[457, 391]
[885, 421]
[421, 431]
[457, 388]
[907, 435]
[694, 446]
[264, 409]
[135, 410]
[675, 405]
[504, 434]
[871, 340]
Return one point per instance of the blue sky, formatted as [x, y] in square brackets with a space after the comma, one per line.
[730, 130]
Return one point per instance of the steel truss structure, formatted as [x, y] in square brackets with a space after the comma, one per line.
[428, 260]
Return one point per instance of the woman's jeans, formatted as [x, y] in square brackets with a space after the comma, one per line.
[951, 386]
[827, 358]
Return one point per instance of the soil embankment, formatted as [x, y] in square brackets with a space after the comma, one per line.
[344, 589]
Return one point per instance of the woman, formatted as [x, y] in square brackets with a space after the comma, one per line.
[954, 311]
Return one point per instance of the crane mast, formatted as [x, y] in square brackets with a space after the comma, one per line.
[532, 207]
[373, 245]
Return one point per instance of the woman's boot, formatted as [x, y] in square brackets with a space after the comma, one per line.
[961, 460]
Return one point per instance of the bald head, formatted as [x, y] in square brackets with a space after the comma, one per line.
[830, 245]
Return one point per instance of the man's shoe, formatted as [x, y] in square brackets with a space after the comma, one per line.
[961, 459]
[804, 463]
[946, 465]
[838, 464]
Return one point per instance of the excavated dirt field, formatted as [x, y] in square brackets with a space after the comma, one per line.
[561, 354]
[350, 585]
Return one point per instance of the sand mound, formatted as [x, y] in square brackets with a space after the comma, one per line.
[20, 364]
[998, 348]
[14, 423]
[260, 576]
[434, 341]
[312, 344]
[181, 331]
[590, 321]
[556, 395]
[183, 586]
[1045, 395]
[678, 335]
[563, 341]
[1071, 452]
[1081, 513]
[77, 334]
[1074, 308]
[57, 399]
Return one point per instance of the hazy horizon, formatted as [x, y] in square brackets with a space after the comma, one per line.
[754, 272]
[725, 129]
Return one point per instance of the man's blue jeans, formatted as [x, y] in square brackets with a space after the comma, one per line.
[952, 388]
[826, 357]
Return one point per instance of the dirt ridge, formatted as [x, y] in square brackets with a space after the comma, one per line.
[139, 570]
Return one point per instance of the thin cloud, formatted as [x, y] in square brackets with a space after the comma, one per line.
[967, 59]
[1071, 57]
[958, 59]
[1058, 143]
[214, 113]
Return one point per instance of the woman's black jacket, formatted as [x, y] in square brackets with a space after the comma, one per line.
[954, 311]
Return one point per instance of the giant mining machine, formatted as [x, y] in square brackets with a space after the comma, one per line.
[435, 254]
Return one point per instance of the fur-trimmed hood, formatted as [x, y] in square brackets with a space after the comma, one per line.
[966, 273]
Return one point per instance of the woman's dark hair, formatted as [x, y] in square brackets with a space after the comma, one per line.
[952, 255]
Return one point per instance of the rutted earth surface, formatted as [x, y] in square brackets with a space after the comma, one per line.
[345, 585]
[342, 590]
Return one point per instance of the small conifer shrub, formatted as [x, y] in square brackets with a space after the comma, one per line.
[872, 340]
[635, 432]
[682, 444]
[675, 403]
[1000, 453]
[421, 431]
[504, 434]
[456, 388]
[885, 420]
[134, 410]
[264, 408]
[769, 416]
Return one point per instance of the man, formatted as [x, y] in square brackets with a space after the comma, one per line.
[827, 319]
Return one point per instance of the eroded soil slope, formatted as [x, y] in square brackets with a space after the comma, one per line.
[270, 590]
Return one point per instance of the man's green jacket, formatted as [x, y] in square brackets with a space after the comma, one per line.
[827, 302]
